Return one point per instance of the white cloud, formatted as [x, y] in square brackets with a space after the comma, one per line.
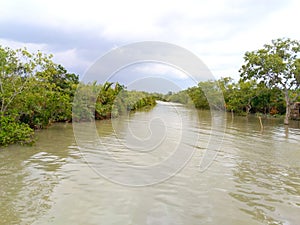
[159, 69]
[71, 60]
[218, 32]
[32, 47]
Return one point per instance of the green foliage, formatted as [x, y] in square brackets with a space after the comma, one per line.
[93, 101]
[179, 97]
[33, 89]
[242, 97]
[277, 65]
[269, 84]
[198, 96]
[84, 102]
[12, 131]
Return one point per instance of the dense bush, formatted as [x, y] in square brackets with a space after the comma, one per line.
[12, 131]
[94, 101]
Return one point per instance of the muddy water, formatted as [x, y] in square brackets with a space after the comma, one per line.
[255, 178]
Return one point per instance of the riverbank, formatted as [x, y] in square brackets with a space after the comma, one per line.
[104, 102]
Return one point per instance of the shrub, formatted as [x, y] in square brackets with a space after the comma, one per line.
[12, 131]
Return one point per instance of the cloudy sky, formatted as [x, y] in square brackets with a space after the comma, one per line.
[79, 32]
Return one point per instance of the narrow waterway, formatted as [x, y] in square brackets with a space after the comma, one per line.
[254, 179]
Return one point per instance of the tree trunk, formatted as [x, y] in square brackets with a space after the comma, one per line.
[287, 108]
[287, 115]
[248, 108]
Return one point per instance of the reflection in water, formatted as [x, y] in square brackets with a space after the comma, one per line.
[255, 178]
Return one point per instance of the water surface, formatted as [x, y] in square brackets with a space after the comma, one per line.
[255, 178]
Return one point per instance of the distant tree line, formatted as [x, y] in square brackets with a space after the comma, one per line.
[269, 82]
[242, 97]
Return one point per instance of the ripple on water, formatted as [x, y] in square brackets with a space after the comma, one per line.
[255, 178]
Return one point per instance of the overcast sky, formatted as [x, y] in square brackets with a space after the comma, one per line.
[78, 32]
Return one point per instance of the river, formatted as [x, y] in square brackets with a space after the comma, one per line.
[254, 178]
